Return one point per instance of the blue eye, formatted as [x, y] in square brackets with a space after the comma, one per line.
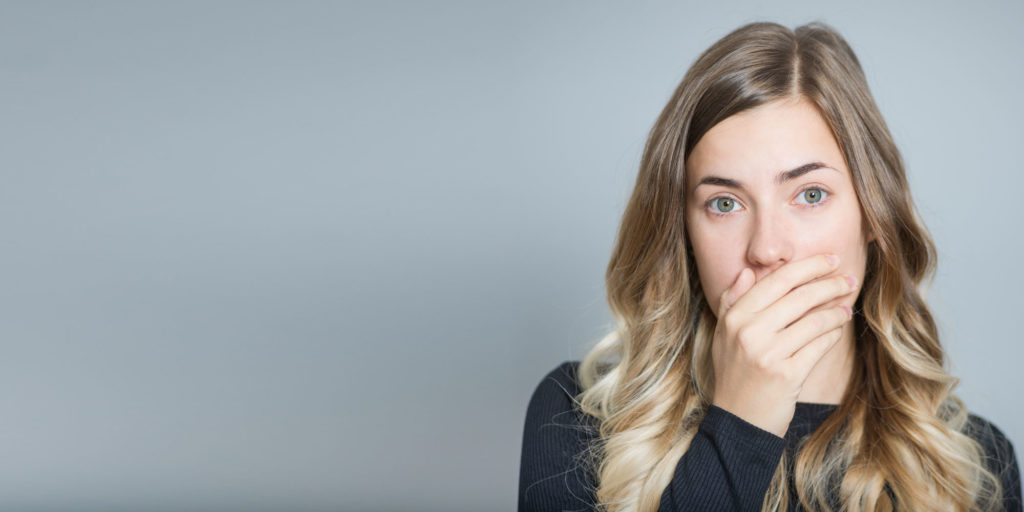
[812, 195]
[725, 204]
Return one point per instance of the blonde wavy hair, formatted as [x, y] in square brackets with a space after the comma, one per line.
[899, 438]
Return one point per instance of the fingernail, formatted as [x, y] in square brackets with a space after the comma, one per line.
[849, 312]
[832, 259]
[852, 280]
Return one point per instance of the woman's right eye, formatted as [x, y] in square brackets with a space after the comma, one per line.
[720, 205]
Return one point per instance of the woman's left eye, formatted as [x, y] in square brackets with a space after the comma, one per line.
[813, 195]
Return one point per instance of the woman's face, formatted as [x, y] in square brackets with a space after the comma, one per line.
[768, 186]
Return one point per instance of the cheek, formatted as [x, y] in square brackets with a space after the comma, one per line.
[843, 236]
[717, 257]
[837, 230]
[849, 241]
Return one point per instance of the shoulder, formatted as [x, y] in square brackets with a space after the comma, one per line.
[997, 446]
[554, 402]
[561, 382]
[554, 466]
[1000, 457]
[554, 396]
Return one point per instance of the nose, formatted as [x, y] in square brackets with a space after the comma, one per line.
[770, 245]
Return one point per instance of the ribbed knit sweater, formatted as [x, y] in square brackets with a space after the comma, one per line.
[728, 466]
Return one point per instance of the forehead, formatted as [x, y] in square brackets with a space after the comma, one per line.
[756, 144]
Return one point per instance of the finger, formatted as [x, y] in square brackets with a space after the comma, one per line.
[739, 287]
[747, 281]
[809, 328]
[804, 359]
[802, 299]
[784, 279]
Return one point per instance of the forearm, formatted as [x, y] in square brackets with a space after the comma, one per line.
[728, 466]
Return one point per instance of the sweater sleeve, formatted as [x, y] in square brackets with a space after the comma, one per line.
[552, 471]
[728, 466]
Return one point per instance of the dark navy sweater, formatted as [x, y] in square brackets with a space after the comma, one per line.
[728, 466]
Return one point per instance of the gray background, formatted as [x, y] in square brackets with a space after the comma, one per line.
[316, 256]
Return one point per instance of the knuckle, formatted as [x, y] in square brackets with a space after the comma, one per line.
[746, 344]
[745, 334]
[764, 363]
[732, 323]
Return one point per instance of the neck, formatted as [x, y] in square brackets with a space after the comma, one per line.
[827, 381]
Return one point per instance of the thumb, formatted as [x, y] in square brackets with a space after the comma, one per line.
[739, 287]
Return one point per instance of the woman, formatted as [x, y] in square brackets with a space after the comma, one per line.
[773, 350]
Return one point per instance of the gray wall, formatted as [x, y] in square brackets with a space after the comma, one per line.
[315, 256]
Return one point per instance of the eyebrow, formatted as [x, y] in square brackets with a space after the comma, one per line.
[781, 178]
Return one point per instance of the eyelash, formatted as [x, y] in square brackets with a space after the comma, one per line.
[708, 204]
